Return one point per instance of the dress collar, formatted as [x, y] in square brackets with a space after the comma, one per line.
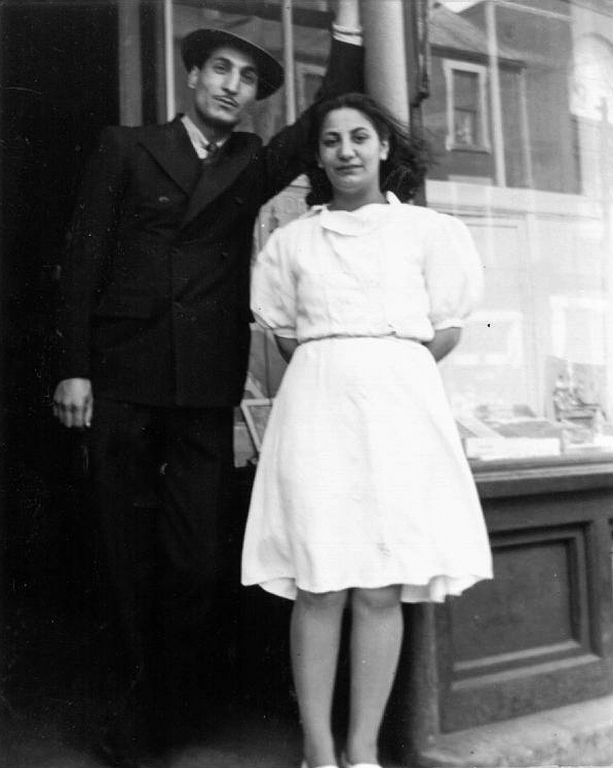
[360, 221]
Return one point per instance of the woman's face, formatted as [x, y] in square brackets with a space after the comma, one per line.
[350, 151]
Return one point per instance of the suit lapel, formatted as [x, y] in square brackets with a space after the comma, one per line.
[173, 151]
[233, 158]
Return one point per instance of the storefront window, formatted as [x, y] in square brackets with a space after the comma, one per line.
[534, 373]
[520, 118]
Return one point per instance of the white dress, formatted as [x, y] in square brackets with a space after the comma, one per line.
[362, 480]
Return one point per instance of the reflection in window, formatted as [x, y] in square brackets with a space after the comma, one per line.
[466, 109]
[526, 88]
[466, 106]
[591, 105]
[308, 81]
[536, 358]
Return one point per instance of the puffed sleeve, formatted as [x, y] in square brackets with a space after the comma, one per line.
[273, 292]
[453, 273]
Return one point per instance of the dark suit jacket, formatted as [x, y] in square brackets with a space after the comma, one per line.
[155, 288]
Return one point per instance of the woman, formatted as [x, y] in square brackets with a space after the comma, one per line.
[362, 495]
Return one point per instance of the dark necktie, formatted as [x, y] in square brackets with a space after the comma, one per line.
[212, 151]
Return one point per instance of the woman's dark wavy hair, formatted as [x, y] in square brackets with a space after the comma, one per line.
[407, 163]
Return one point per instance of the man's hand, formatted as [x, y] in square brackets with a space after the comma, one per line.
[73, 402]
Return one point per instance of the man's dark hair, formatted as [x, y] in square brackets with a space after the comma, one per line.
[404, 169]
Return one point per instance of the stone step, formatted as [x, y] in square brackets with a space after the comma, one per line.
[575, 735]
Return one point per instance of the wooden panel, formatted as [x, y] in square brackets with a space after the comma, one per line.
[539, 634]
[529, 605]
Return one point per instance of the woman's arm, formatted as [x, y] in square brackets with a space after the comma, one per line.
[286, 347]
[443, 342]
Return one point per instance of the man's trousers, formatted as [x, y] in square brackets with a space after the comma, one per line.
[161, 500]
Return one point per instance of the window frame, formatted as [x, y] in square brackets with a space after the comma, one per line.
[302, 69]
[450, 67]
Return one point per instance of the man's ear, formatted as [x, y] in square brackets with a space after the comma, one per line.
[192, 77]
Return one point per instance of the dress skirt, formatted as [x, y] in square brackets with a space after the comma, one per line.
[362, 480]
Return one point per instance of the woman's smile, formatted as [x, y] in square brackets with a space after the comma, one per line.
[347, 169]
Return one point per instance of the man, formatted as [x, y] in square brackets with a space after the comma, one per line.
[154, 326]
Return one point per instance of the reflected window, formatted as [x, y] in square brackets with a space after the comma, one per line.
[308, 80]
[466, 106]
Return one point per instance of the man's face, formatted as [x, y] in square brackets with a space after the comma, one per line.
[223, 87]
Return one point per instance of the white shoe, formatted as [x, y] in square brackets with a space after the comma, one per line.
[347, 764]
[361, 765]
[305, 765]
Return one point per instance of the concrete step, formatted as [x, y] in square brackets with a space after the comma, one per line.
[575, 735]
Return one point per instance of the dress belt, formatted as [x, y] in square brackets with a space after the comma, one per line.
[362, 336]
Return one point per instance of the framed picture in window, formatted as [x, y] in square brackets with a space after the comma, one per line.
[256, 412]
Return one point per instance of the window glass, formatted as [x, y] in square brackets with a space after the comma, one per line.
[466, 109]
[520, 117]
[533, 375]
[466, 106]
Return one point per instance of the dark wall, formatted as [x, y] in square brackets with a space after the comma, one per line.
[58, 87]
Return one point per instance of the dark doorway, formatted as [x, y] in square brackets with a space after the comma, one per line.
[58, 87]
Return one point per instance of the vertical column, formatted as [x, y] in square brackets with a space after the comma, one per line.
[386, 61]
[169, 71]
[498, 139]
[607, 247]
[288, 62]
[525, 132]
[130, 75]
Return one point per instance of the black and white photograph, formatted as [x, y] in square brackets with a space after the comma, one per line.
[306, 383]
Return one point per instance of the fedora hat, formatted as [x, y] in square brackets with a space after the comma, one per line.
[198, 45]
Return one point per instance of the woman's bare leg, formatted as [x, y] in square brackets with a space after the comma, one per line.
[376, 636]
[315, 638]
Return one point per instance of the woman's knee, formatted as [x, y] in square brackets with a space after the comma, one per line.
[322, 600]
[379, 599]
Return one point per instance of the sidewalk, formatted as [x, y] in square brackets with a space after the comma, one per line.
[247, 741]
[577, 735]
